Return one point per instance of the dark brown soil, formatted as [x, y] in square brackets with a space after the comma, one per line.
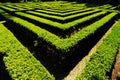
[116, 70]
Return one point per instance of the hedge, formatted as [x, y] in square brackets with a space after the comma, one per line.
[60, 25]
[62, 44]
[100, 64]
[20, 63]
[63, 14]
[62, 18]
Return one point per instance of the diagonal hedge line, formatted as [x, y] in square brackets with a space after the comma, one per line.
[61, 44]
[45, 6]
[64, 10]
[20, 63]
[62, 18]
[59, 25]
[73, 40]
[64, 14]
[101, 62]
[7, 8]
[62, 7]
[41, 5]
[77, 11]
[14, 7]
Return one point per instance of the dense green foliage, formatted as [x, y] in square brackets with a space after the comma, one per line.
[88, 1]
[63, 18]
[59, 25]
[101, 1]
[101, 62]
[64, 14]
[62, 44]
[20, 63]
[78, 22]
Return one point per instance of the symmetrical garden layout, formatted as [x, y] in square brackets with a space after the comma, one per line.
[45, 40]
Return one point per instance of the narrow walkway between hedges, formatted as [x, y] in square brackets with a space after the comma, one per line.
[77, 70]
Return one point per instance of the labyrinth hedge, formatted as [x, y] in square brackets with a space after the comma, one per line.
[101, 62]
[19, 62]
[45, 41]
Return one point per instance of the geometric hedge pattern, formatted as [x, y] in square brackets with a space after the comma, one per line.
[62, 25]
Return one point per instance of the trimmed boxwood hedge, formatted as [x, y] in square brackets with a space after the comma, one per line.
[60, 25]
[19, 62]
[62, 18]
[101, 62]
[61, 44]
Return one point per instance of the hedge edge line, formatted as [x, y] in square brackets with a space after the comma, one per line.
[20, 63]
[62, 44]
[101, 62]
[59, 25]
[61, 18]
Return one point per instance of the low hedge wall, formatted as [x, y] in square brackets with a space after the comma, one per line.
[19, 62]
[100, 64]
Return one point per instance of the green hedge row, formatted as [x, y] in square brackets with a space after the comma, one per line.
[62, 18]
[61, 44]
[73, 40]
[100, 64]
[16, 8]
[89, 8]
[7, 8]
[30, 6]
[64, 9]
[76, 11]
[19, 7]
[63, 14]
[60, 25]
[54, 5]
[22, 6]
[68, 41]
[84, 19]
[19, 62]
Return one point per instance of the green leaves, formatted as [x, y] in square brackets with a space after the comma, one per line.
[59, 25]
[55, 40]
[20, 63]
[101, 62]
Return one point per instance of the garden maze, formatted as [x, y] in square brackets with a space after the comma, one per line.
[45, 40]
